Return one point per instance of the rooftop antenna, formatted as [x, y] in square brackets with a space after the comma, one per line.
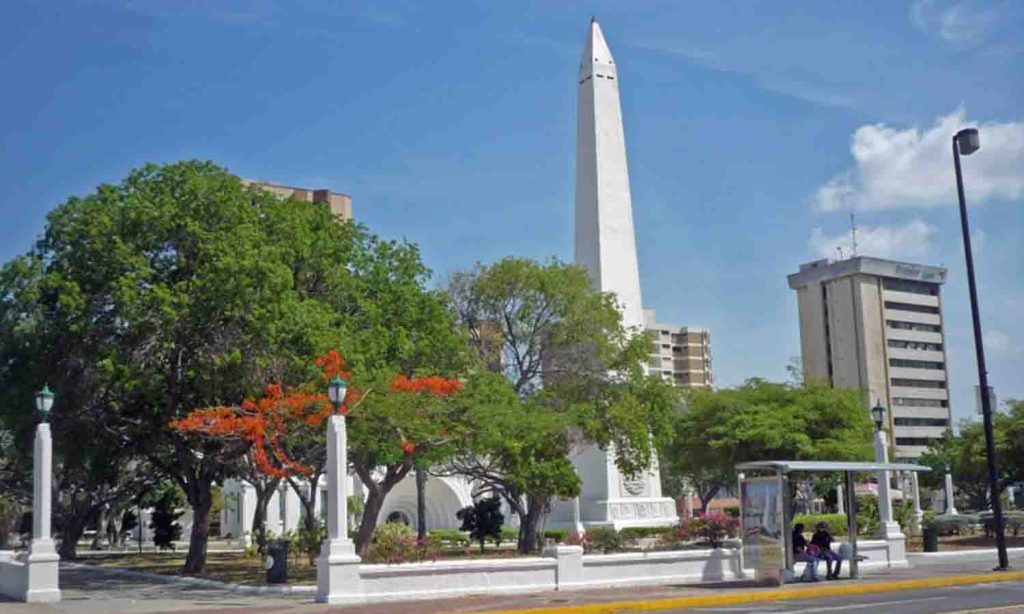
[839, 248]
[853, 232]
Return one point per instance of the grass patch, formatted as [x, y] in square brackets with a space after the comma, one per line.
[232, 567]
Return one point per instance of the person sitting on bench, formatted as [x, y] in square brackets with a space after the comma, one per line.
[801, 554]
[823, 540]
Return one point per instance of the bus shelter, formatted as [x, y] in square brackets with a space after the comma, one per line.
[766, 510]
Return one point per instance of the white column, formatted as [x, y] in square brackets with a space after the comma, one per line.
[950, 505]
[888, 528]
[42, 582]
[337, 570]
[840, 499]
[576, 521]
[918, 512]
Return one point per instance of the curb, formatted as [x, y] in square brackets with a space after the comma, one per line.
[778, 594]
[244, 589]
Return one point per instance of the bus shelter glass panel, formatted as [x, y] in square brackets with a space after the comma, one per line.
[764, 526]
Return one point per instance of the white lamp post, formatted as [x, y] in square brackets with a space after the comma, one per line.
[42, 583]
[888, 528]
[337, 569]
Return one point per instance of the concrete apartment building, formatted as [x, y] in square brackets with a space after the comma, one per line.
[680, 354]
[340, 204]
[876, 325]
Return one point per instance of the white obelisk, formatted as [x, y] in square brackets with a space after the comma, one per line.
[606, 248]
[605, 243]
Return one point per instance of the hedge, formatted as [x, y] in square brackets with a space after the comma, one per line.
[836, 523]
[1012, 522]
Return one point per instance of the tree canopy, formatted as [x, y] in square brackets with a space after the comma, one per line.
[572, 377]
[181, 287]
[964, 454]
[717, 429]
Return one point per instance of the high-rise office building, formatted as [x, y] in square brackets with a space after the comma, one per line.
[876, 326]
[680, 354]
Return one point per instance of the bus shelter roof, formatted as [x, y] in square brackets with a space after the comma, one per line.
[789, 466]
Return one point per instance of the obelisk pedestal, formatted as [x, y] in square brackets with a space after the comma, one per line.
[337, 569]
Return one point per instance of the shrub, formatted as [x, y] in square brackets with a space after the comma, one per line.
[483, 520]
[1012, 522]
[947, 524]
[732, 510]
[451, 538]
[309, 542]
[394, 543]
[509, 534]
[713, 527]
[867, 514]
[835, 523]
[556, 535]
[604, 539]
[166, 530]
[633, 535]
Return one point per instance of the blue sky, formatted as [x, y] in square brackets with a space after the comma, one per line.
[753, 129]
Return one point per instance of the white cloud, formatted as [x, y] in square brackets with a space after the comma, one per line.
[961, 23]
[910, 240]
[996, 341]
[914, 168]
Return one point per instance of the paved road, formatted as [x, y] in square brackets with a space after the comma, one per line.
[1002, 598]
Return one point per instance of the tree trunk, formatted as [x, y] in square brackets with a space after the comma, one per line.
[259, 515]
[70, 533]
[200, 497]
[114, 527]
[371, 510]
[421, 504]
[528, 525]
[101, 530]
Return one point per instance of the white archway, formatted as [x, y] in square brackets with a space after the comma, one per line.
[444, 497]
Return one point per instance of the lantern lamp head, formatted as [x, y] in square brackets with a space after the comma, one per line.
[44, 401]
[336, 391]
[878, 414]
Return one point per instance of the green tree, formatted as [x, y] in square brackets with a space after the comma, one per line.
[964, 452]
[181, 288]
[573, 375]
[483, 520]
[717, 429]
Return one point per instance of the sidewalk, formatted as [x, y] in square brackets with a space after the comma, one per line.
[92, 592]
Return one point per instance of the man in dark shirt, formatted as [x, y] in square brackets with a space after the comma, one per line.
[823, 540]
[801, 554]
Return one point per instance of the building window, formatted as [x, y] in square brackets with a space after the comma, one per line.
[911, 307]
[917, 383]
[906, 285]
[915, 345]
[921, 422]
[919, 402]
[927, 328]
[914, 441]
[915, 364]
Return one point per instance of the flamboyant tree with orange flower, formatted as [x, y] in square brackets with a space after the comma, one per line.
[394, 423]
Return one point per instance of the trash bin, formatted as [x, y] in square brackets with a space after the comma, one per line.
[930, 536]
[277, 562]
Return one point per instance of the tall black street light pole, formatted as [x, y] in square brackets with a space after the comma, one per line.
[967, 142]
